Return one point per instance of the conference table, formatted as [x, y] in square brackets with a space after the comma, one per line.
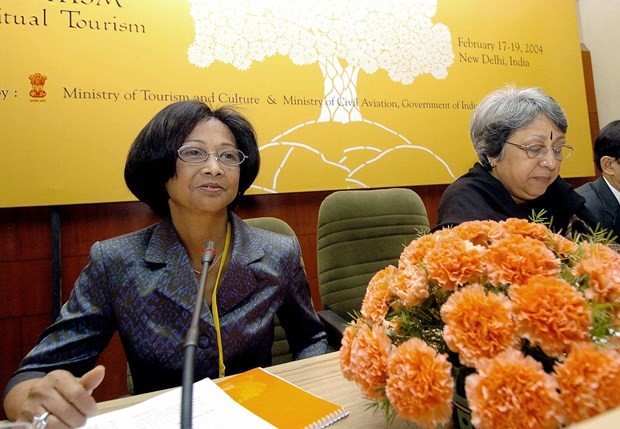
[321, 375]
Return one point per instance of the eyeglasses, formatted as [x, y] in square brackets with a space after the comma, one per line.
[538, 151]
[196, 155]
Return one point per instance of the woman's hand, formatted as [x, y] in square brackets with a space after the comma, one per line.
[67, 398]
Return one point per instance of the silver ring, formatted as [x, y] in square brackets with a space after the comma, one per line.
[40, 422]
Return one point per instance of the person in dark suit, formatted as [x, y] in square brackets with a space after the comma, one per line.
[191, 165]
[603, 195]
[519, 135]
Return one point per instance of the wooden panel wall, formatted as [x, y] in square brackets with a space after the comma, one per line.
[26, 257]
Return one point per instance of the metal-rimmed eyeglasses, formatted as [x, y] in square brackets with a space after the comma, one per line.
[538, 151]
[196, 155]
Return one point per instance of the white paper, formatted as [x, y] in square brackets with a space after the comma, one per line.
[212, 408]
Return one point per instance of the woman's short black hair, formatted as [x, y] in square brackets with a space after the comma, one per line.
[151, 161]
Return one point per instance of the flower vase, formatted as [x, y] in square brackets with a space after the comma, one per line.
[461, 414]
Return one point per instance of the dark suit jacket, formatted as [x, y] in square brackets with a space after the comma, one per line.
[142, 285]
[603, 204]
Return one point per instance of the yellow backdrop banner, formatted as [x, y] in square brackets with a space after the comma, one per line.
[343, 93]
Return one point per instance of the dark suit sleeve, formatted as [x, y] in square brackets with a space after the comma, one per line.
[83, 329]
[602, 205]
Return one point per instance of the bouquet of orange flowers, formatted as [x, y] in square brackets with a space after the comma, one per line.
[522, 322]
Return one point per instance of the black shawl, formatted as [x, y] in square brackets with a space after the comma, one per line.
[478, 195]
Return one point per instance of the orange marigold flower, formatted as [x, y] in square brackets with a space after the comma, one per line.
[345, 351]
[562, 246]
[513, 391]
[410, 285]
[551, 314]
[476, 231]
[415, 251]
[420, 385]
[454, 262]
[589, 381]
[368, 362]
[375, 304]
[602, 267]
[478, 325]
[525, 228]
[514, 259]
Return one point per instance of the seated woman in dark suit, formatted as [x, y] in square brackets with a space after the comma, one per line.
[603, 195]
[191, 165]
[520, 138]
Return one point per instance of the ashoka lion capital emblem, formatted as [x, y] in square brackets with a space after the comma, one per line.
[37, 80]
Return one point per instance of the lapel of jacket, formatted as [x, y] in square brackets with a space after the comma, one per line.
[173, 276]
[240, 279]
[610, 203]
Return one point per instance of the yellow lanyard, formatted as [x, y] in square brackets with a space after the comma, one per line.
[216, 317]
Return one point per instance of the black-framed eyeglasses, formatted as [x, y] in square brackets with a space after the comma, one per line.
[196, 155]
[538, 151]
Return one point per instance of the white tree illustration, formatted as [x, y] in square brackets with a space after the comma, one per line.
[343, 37]
[396, 36]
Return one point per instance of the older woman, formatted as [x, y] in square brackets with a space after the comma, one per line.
[191, 165]
[520, 138]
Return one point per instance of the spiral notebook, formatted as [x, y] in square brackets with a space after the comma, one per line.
[283, 404]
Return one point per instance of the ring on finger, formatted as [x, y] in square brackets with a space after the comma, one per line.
[40, 422]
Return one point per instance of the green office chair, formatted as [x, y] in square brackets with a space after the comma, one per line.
[280, 351]
[359, 233]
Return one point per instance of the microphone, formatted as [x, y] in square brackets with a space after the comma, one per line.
[191, 340]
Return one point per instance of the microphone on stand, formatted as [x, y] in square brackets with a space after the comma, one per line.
[191, 340]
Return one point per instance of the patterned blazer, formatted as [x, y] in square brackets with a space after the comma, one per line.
[142, 285]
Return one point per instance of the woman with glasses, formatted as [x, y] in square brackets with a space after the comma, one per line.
[190, 165]
[520, 138]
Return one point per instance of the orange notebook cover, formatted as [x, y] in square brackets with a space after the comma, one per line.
[279, 402]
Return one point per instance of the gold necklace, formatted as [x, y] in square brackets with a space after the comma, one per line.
[213, 264]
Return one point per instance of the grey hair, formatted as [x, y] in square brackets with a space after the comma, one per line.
[506, 110]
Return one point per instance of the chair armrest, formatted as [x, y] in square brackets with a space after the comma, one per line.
[334, 326]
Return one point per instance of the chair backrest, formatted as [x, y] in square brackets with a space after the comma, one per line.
[272, 224]
[280, 351]
[359, 233]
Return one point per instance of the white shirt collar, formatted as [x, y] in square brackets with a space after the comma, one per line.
[613, 190]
